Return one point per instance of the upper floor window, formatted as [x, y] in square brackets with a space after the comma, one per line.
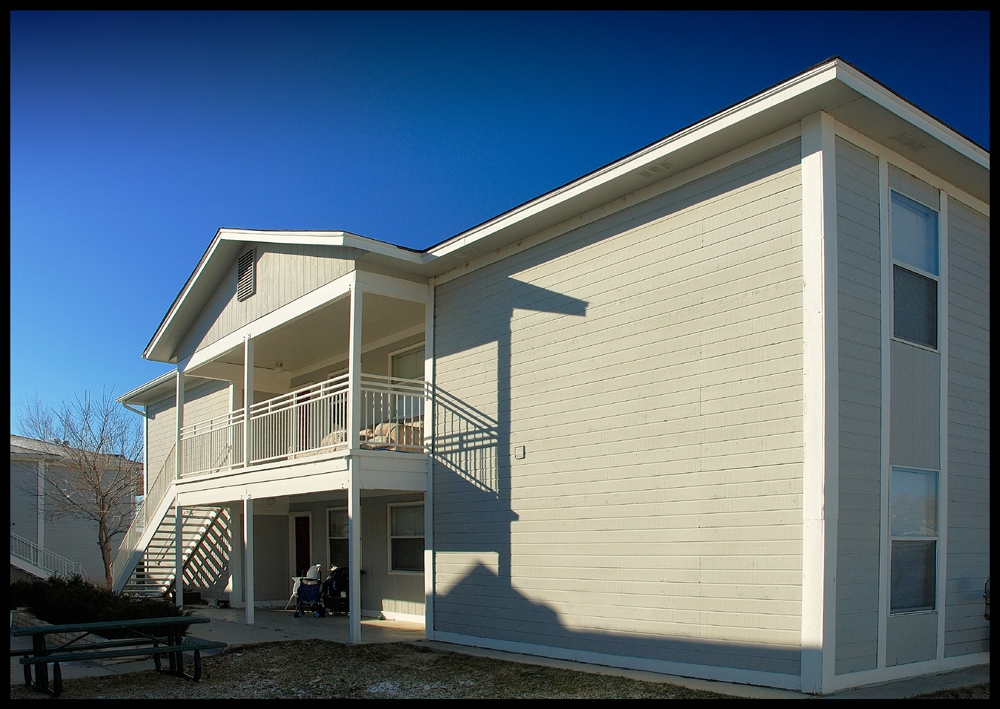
[914, 235]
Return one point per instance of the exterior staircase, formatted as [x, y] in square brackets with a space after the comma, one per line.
[206, 545]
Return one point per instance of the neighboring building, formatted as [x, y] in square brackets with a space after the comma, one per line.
[718, 409]
[43, 543]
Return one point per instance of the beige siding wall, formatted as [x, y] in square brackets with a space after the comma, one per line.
[966, 630]
[650, 365]
[859, 374]
[162, 418]
[383, 591]
[201, 402]
[284, 273]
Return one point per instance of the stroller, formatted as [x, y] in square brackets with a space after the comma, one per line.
[307, 595]
[336, 590]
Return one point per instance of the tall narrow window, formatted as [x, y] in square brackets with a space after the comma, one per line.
[406, 538]
[913, 504]
[336, 522]
[246, 280]
[914, 234]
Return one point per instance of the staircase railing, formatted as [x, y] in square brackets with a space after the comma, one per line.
[155, 493]
[49, 561]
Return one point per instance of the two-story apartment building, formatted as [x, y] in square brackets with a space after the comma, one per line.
[717, 409]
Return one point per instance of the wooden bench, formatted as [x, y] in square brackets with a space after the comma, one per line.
[158, 637]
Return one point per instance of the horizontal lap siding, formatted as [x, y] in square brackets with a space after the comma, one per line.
[859, 364]
[651, 366]
[285, 272]
[966, 631]
[202, 402]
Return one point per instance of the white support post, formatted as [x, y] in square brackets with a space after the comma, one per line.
[354, 552]
[354, 371]
[429, 445]
[820, 473]
[248, 585]
[40, 509]
[235, 585]
[178, 554]
[179, 401]
[247, 397]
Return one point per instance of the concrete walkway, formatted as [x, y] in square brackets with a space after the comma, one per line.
[277, 625]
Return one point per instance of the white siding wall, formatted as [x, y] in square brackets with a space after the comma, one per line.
[859, 347]
[966, 631]
[651, 366]
[284, 272]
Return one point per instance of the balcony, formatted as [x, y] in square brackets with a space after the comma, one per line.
[309, 421]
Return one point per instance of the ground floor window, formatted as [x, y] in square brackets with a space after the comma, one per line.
[336, 524]
[913, 505]
[406, 538]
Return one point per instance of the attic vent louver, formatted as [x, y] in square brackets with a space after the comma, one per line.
[246, 282]
[909, 141]
[658, 170]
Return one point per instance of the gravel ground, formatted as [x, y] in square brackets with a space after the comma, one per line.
[321, 669]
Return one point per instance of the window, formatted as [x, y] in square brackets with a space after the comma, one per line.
[406, 538]
[914, 234]
[246, 279]
[913, 504]
[336, 524]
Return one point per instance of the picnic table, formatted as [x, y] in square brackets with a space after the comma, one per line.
[154, 636]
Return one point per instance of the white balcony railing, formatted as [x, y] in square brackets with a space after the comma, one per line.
[392, 413]
[213, 445]
[309, 420]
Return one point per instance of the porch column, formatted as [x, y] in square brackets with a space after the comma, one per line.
[178, 554]
[235, 585]
[40, 512]
[247, 396]
[354, 551]
[248, 558]
[179, 401]
[354, 420]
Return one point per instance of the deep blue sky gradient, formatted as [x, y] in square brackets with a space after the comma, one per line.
[135, 136]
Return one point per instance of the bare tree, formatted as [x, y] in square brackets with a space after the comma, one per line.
[99, 470]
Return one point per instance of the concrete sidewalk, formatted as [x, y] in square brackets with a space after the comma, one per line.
[275, 625]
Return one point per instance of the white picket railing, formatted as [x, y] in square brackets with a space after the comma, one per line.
[155, 491]
[213, 445]
[392, 413]
[54, 564]
[309, 420]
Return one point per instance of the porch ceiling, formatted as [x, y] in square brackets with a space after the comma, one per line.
[325, 332]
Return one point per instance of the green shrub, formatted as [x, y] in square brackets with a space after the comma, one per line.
[75, 600]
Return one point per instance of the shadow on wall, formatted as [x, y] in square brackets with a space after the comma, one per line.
[475, 592]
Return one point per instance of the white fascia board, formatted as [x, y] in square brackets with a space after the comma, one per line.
[162, 379]
[651, 155]
[325, 238]
[885, 98]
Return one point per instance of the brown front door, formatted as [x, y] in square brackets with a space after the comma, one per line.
[302, 552]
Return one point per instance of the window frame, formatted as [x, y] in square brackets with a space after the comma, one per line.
[936, 538]
[936, 278]
[390, 537]
[329, 556]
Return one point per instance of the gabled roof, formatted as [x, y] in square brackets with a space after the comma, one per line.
[834, 86]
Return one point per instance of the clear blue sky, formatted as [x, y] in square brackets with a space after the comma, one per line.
[135, 136]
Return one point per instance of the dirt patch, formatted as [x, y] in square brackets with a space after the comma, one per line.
[321, 669]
